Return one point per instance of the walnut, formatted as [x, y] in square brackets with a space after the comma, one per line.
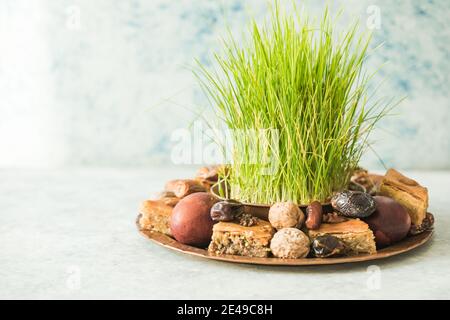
[290, 243]
[286, 215]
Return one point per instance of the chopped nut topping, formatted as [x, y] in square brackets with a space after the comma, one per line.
[247, 220]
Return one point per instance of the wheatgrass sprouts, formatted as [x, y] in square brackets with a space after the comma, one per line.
[306, 87]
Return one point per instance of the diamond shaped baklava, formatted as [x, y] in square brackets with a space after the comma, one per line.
[354, 233]
[155, 216]
[235, 239]
[408, 192]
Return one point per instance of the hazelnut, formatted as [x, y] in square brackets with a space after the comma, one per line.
[286, 215]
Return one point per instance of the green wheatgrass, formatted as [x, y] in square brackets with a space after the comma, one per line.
[307, 82]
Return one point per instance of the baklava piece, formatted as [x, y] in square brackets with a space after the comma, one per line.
[169, 198]
[408, 193]
[184, 187]
[155, 216]
[362, 180]
[235, 239]
[354, 233]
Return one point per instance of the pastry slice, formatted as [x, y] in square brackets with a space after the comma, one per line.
[408, 193]
[369, 182]
[354, 233]
[155, 216]
[233, 238]
[183, 187]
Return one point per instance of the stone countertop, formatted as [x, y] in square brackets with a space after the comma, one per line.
[71, 234]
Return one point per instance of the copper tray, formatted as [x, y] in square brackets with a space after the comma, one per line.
[405, 245]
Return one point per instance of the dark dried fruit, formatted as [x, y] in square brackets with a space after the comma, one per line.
[226, 210]
[327, 246]
[427, 224]
[314, 215]
[247, 220]
[333, 217]
[353, 204]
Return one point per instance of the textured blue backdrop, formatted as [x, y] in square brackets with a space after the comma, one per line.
[104, 83]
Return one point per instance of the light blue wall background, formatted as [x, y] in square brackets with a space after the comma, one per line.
[105, 82]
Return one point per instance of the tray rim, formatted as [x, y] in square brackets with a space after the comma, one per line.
[407, 244]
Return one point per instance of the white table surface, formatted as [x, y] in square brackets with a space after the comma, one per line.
[70, 234]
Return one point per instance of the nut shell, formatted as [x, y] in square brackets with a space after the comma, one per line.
[290, 243]
[286, 215]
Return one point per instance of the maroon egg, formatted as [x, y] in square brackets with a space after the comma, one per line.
[191, 222]
[390, 222]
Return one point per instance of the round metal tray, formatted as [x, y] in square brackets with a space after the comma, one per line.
[405, 245]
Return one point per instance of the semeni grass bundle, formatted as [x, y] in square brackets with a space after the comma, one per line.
[305, 86]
